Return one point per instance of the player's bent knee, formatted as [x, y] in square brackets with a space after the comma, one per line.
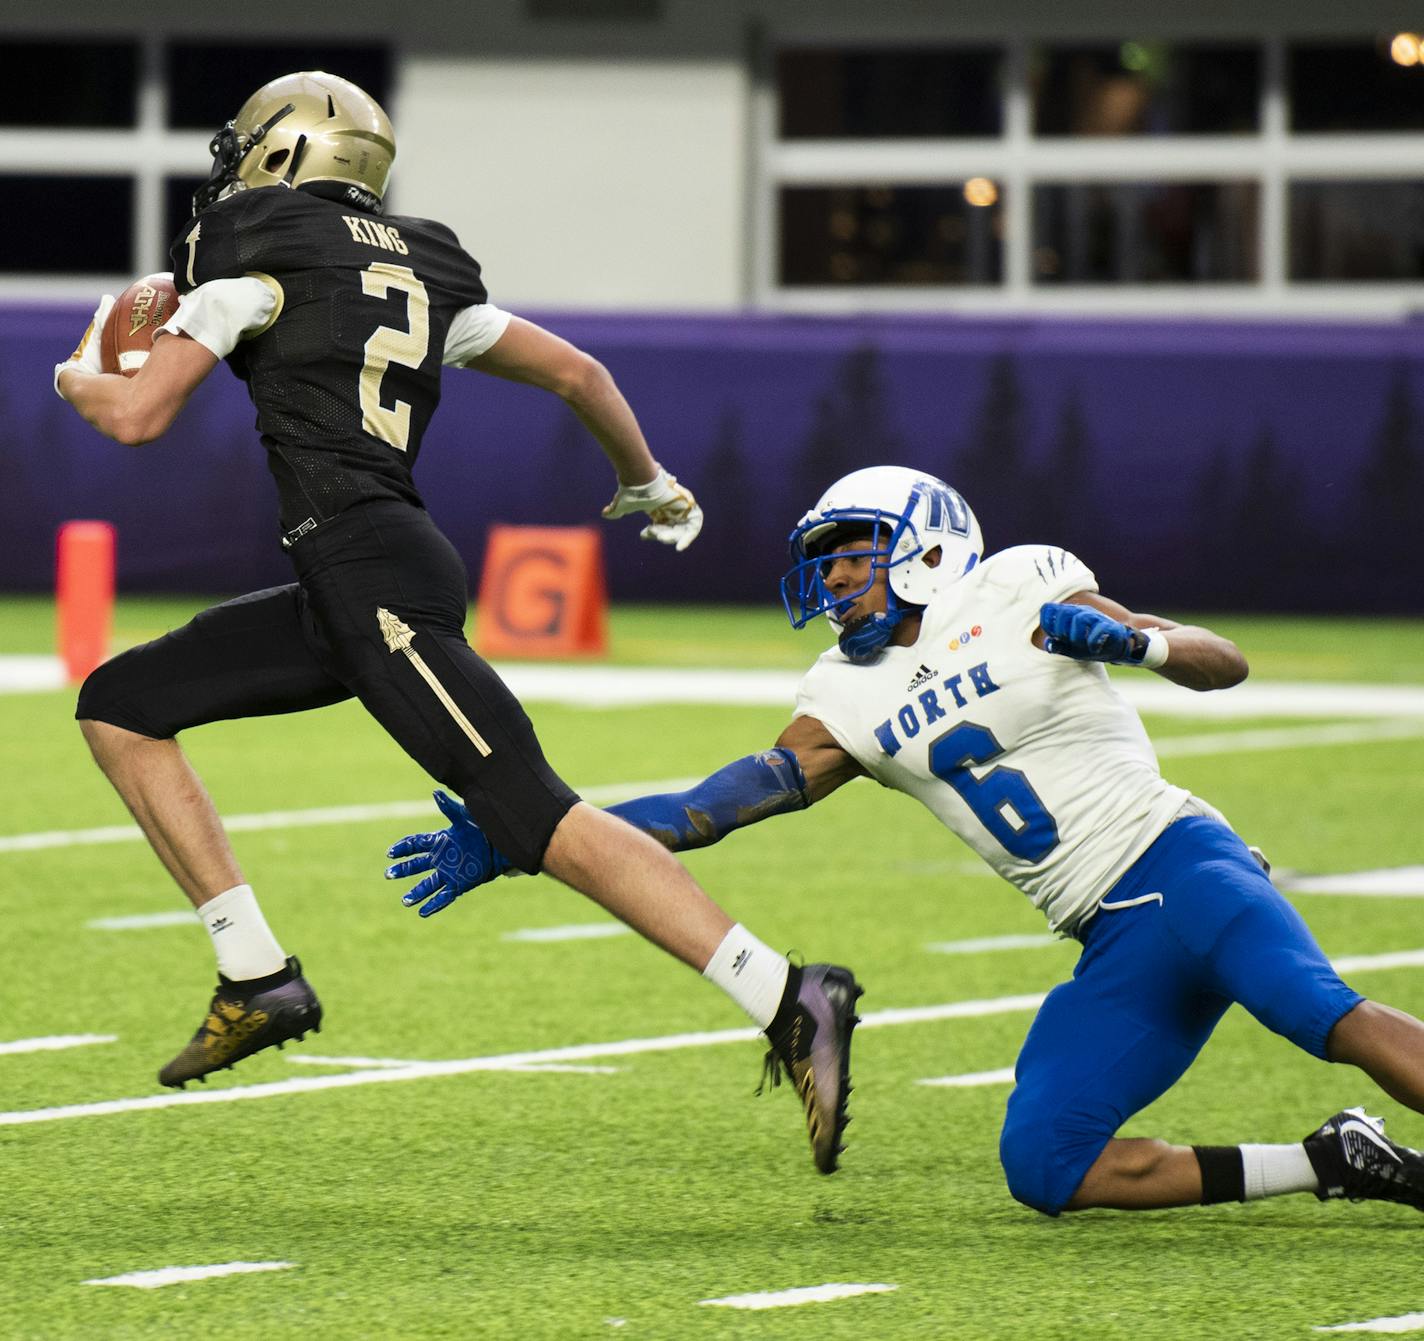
[518, 814]
[108, 699]
[1025, 1153]
[1048, 1144]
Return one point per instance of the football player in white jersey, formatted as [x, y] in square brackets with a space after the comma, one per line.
[977, 686]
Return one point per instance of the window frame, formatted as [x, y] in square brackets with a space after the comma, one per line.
[149, 153]
[1018, 159]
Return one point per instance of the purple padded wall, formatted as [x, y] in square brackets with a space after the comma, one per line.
[1194, 465]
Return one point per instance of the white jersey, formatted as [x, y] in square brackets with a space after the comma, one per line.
[1033, 759]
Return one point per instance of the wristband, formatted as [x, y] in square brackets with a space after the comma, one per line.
[1155, 652]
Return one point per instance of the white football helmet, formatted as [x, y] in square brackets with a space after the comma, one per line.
[906, 514]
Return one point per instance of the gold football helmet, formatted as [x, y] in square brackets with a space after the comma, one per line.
[305, 127]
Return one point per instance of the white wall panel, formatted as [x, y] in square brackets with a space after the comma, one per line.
[580, 183]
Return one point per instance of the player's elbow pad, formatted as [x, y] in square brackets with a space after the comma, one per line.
[745, 791]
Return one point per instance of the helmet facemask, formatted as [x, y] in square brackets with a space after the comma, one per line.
[229, 149]
[309, 130]
[875, 538]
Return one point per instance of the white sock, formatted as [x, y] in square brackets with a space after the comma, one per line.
[1271, 1170]
[244, 943]
[752, 974]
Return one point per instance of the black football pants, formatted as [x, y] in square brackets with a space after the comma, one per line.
[377, 613]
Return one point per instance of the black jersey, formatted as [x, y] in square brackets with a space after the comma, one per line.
[347, 374]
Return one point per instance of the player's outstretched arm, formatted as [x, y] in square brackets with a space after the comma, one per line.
[135, 410]
[743, 792]
[1090, 627]
[528, 353]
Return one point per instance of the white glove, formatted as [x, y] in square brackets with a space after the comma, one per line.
[86, 357]
[676, 518]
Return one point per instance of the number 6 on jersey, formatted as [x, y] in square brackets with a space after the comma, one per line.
[1003, 800]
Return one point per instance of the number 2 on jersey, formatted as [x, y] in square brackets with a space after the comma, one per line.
[389, 345]
[1003, 800]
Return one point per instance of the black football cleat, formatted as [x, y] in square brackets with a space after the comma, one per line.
[810, 1038]
[244, 1018]
[1353, 1158]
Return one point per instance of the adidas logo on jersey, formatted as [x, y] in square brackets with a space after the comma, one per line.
[922, 676]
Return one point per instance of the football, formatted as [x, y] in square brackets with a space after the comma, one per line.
[127, 337]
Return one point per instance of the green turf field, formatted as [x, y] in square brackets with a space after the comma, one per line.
[602, 1203]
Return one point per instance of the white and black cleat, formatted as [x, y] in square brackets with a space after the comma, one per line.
[1354, 1159]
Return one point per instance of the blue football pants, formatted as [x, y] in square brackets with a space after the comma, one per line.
[1154, 977]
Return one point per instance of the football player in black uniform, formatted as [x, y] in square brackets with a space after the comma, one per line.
[339, 319]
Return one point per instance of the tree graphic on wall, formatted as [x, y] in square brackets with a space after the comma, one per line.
[1267, 526]
[1252, 543]
[728, 496]
[852, 426]
[581, 470]
[1062, 507]
[1391, 493]
[29, 487]
[990, 468]
[1209, 551]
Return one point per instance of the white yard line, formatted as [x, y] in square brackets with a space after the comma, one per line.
[954, 1010]
[1345, 964]
[580, 931]
[634, 686]
[549, 1069]
[970, 1079]
[579, 1052]
[305, 1059]
[365, 1063]
[142, 921]
[301, 819]
[384, 1073]
[30, 674]
[153, 1280]
[55, 1043]
[1403, 1322]
[1366, 963]
[417, 1071]
[805, 1294]
[1285, 738]
[1398, 882]
[981, 944]
[1266, 698]
[1222, 742]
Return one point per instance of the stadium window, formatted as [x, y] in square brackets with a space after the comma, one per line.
[892, 235]
[1356, 230]
[1358, 87]
[51, 226]
[1146, 88]
[946, 92]
[209, 81]
[71, 84]
[1145, 233]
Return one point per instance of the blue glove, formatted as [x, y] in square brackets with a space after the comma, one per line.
[1086, 634]
[458, 858]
